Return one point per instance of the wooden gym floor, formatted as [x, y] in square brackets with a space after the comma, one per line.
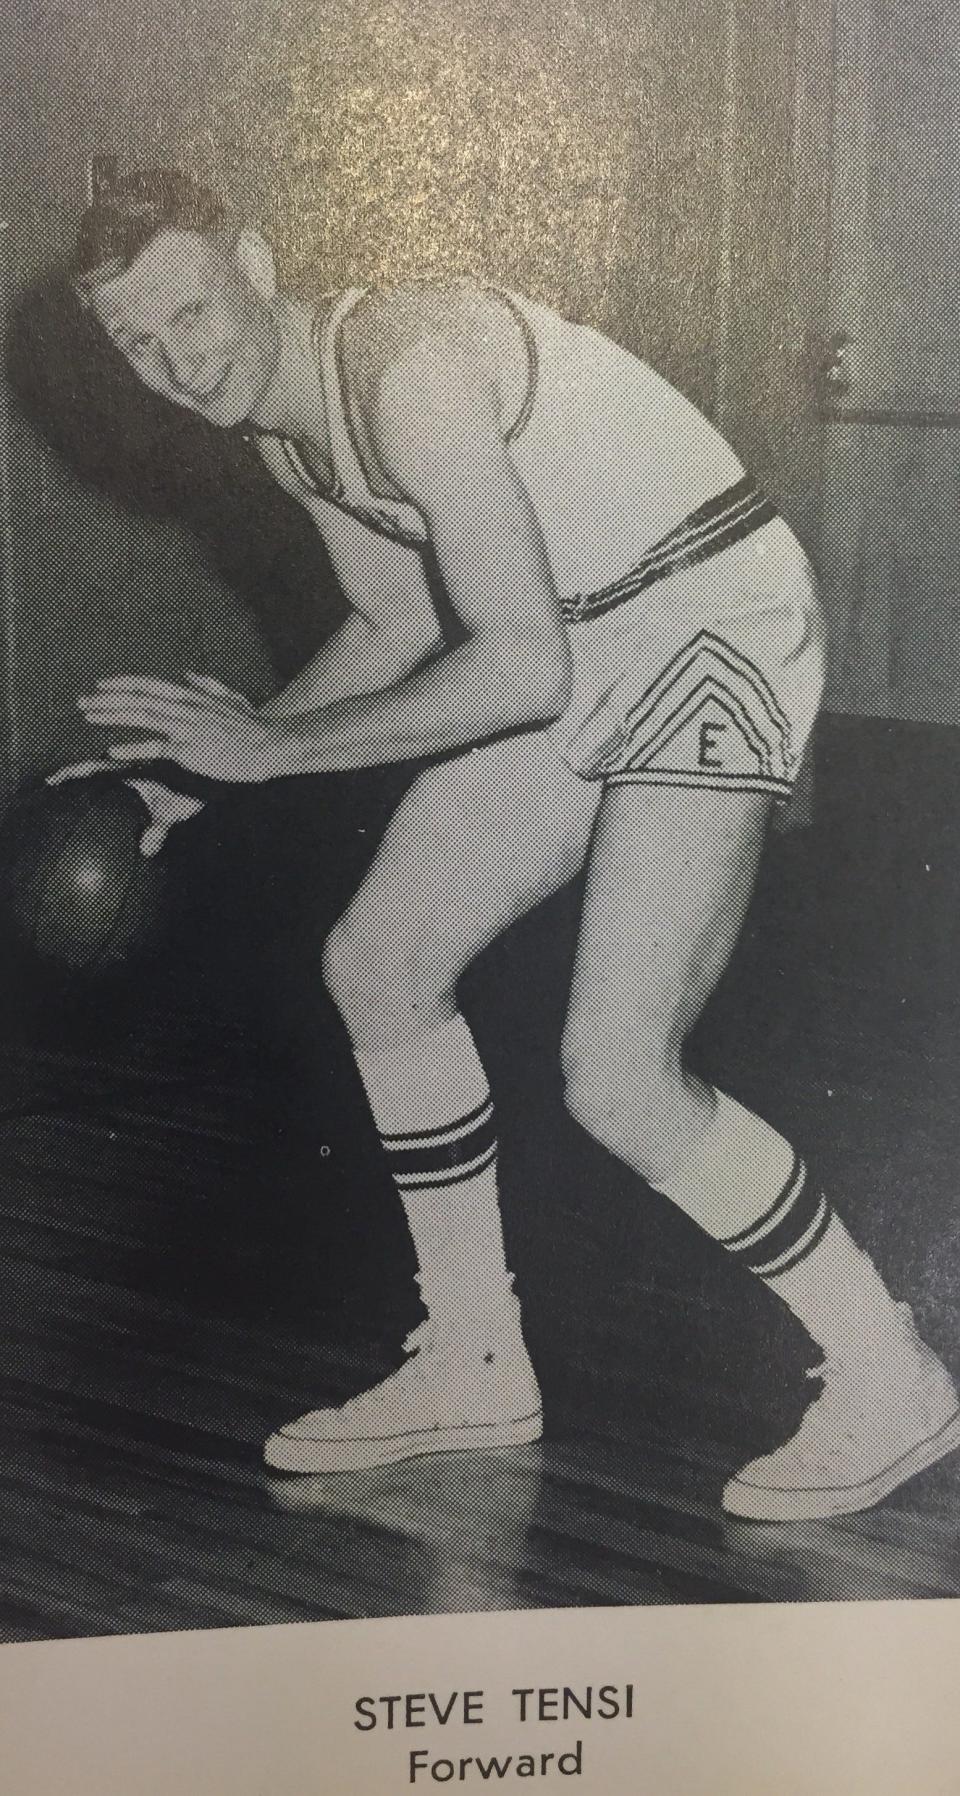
[198, 1240]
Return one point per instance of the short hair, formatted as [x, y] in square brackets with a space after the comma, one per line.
[135, 207]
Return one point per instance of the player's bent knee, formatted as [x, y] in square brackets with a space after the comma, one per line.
[344, 967]
[621, 1099]
[354, 978]
[383, 994]
[600, 1108]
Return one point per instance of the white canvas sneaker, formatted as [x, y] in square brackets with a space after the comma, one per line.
[882, 1416]
[463, 1386]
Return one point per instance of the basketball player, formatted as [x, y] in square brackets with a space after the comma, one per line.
[634, 678]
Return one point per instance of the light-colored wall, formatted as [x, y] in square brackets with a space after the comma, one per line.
[892, 489]
[631, 161]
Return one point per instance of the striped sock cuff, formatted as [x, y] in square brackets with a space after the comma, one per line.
[788, 1231]
[426, 1159]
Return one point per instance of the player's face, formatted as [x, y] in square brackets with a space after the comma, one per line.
[193, 325]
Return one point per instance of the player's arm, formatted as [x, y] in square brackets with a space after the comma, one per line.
[390, 628]
[391, 625]
[436, 433]
[434, 428]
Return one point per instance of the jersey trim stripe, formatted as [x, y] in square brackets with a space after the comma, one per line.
[331, 488]
[533, 364]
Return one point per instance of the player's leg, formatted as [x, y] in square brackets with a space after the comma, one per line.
[477, 842]
[670, 878]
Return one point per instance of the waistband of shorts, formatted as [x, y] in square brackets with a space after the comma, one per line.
[728, 518]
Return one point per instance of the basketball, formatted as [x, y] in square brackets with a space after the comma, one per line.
[76, 894]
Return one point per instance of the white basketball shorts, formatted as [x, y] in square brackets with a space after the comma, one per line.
[711, 678]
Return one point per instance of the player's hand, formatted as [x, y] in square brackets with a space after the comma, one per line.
[165, 807]
[201, 726]
[80, 770]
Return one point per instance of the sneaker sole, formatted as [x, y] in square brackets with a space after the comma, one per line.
[291, 1453]
[757, 1503]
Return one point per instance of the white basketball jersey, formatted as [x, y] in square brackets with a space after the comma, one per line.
[613, 458]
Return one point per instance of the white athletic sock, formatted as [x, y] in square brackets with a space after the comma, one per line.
[837, 1293]
[745, 1186]
[432, 1106]
[728, 1181]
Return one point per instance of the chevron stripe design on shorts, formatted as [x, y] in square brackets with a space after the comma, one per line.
[790, 1230]
[709, 717]
[445, 1156]
[717, 525]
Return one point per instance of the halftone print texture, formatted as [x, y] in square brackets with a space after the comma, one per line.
[482, 1028]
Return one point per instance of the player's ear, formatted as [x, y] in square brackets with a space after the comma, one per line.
[254, 258]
